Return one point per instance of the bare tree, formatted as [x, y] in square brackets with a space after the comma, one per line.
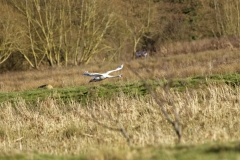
[139, 23]
[9, 33]
[6, 43]
[94, 21]
[45, 28]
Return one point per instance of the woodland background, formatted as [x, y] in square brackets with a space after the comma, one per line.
[50, 33]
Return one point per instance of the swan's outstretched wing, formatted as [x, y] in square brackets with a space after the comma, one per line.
[117, 69]
[102, 74]
[92, 74]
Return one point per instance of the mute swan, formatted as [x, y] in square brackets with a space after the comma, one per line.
[102, 76]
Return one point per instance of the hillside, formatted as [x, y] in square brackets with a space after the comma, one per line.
[49, 34]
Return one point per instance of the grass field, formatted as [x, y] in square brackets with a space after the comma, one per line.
[216, 151]
[123, 118]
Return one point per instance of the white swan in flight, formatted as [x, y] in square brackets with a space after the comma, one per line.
[102, 76]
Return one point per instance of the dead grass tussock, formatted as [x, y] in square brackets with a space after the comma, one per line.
[209, 114]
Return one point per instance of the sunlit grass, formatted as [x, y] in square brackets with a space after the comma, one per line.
[108, 90]
[78, 120]
[153, 67]
[210, 151]
[207, 114]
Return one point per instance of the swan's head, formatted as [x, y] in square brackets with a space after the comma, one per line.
[85, 73]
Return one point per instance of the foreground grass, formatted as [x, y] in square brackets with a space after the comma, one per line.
[213, 151]
[209, 151]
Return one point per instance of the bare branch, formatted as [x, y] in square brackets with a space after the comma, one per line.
[120, 129]
[175, 123]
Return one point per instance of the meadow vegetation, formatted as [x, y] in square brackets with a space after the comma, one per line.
[180, 102]
[94, 128]
[119, 119]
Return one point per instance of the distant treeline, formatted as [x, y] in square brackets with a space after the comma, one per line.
[43, 33]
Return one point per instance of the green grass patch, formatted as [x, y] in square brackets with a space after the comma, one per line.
[83, 94]
[209, 151]
[38, 156]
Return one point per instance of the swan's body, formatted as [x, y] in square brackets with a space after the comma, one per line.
[102, 76]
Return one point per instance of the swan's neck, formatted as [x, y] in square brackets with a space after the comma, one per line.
[115, 76]
[118, 76]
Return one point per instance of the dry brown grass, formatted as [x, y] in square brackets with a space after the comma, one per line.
[208, 114]
[201, 45]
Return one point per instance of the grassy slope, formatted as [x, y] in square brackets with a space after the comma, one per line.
[107, 90]
[228, 150]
